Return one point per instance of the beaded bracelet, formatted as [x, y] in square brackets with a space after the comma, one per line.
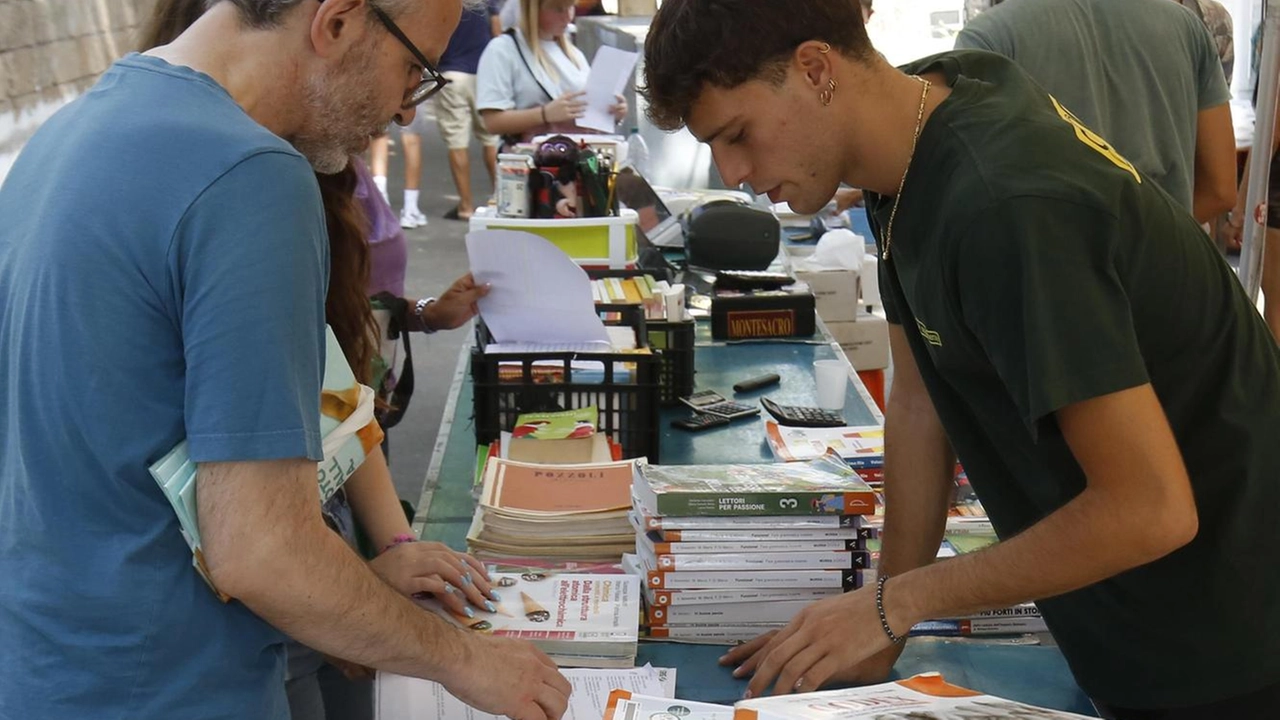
[398, 540]
[884, 621]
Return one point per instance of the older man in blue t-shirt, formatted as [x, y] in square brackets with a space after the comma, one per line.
[163, 264]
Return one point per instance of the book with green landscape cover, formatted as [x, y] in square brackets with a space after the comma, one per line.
[826, 488]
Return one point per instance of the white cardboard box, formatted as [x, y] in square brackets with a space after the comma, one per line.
[835, 294]
[865, 342]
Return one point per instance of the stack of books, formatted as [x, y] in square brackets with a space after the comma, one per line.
[557, 512]
[578, 619]
[727, 552]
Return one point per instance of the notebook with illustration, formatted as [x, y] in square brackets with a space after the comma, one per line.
[347, 425]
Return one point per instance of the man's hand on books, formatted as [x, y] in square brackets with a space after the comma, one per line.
[508, 677]
[456, 579]
[836, 639]
[456, 305]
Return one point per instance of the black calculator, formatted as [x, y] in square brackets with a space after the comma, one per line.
[799, 416]
[713, 403]
[700, 421]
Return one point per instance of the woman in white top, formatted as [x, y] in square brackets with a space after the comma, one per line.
[523, 88]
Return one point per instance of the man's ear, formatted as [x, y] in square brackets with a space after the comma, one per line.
[813, 57]
[336, 24]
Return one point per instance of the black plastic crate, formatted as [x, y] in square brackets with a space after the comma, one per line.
[671, 341]
[510, 384]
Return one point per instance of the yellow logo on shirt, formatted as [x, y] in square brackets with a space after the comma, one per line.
[1095, 141]
[930, 336]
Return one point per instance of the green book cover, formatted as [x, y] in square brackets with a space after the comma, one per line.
[482, 456]
[746, 490]
[565, 424]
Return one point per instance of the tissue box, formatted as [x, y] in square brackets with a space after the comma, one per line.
[835, 293]
[865, 342]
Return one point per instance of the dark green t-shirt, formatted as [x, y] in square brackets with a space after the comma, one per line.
[1033, 268]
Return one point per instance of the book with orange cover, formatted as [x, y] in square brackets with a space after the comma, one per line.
[926, 695]
[520, 488]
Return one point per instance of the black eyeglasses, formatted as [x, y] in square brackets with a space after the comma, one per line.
[432, 81]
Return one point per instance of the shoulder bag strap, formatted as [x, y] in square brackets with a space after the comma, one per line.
[512, 34]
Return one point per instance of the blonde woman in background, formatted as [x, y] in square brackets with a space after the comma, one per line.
[532, 80]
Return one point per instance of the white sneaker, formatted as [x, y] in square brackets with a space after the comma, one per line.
[412, 218]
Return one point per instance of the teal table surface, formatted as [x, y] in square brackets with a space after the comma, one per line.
[1033, 674]
[1030, 674]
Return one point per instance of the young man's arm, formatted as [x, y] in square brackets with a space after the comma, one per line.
[1137, 506]
[919, 467]
[266, 545]
[1214, 190]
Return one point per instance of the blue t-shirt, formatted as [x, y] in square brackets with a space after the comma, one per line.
[163, 264]
[467, 43]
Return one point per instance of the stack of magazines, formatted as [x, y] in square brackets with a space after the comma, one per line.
[558, 512]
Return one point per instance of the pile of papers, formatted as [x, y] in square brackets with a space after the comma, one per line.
[397, 697]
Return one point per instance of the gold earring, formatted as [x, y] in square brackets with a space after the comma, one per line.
[826, 48]
[826, 95]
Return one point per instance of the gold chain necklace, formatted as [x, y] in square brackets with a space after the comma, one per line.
[888, 233]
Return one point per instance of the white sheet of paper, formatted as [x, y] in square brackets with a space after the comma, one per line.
[538, 295]
[610, 71]
[404, 698]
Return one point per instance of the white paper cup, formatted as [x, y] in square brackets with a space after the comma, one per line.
[831, 377]
[674, 298]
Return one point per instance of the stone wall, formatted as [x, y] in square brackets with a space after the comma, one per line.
[50, 52]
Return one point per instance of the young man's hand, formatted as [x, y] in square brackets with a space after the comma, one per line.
[456, 306]
[836, 639]
[508, 677]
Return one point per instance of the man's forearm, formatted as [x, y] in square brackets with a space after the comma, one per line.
[1080, 544]
[919, 466]
[267, 545]
[1137, 507]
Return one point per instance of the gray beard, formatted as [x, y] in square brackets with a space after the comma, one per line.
[341, 119]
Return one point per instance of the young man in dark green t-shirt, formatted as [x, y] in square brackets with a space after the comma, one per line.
[1056, 319]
